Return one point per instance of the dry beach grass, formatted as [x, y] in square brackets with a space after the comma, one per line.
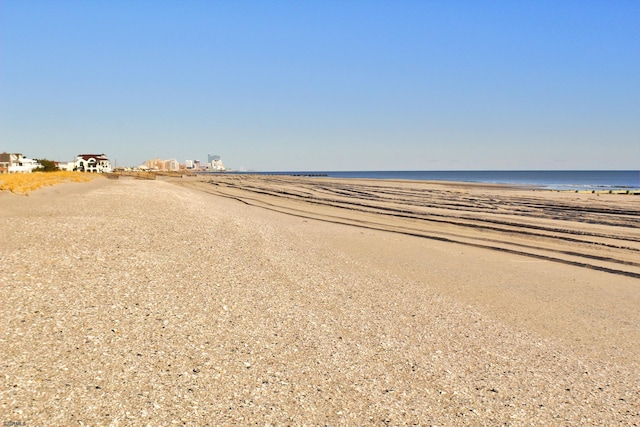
[24, 183]
[303, 301]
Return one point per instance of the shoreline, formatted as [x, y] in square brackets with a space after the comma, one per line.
[227, 304]
[537, 181]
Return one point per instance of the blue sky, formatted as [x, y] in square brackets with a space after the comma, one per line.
[325, 85]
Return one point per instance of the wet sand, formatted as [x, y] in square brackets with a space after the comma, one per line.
[291, 301]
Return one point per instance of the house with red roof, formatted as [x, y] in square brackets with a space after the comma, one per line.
[98, 163]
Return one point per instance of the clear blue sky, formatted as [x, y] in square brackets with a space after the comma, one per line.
[325, 85]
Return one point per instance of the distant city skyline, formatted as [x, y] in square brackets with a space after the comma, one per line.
[323, 85]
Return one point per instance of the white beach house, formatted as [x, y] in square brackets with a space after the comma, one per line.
[17, 163]
[93, 163]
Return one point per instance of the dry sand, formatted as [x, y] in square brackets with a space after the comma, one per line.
[293, 301]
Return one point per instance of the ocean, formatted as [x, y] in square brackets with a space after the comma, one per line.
[555, 180]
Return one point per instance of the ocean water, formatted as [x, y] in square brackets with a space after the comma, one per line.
[557, 180]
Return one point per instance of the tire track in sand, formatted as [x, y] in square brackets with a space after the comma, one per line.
[542, 225]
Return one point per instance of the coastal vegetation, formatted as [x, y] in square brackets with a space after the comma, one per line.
[47, 166]
[24, 183]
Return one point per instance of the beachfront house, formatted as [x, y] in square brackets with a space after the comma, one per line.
[17, 163]
[98, 163]
[66, 166]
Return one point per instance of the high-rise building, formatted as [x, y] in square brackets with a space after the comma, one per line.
[172, 165]
[217, 165]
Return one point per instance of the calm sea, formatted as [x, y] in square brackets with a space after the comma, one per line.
[557, 180]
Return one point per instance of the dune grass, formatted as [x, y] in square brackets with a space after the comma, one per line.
[24, 183]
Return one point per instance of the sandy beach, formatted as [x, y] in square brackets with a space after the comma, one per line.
[238, 300]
